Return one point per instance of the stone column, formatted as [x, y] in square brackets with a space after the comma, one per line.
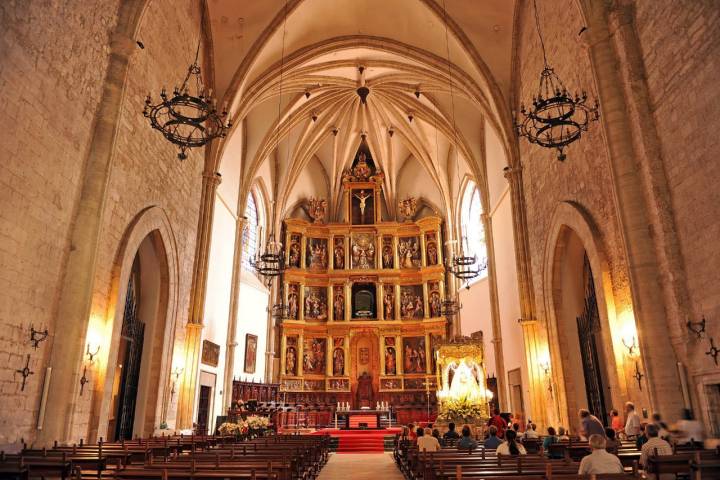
[76, 289]
[527, 319]
[659, 356]
[272, 331]
[232, 314]
[198, 289]
[495, 312]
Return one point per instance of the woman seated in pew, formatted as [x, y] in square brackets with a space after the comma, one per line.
[466, 442]
[511, 446]
[600, 460]
[562, 435]
[549, 440]
[611, 445]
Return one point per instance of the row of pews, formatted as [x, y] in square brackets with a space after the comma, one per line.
[453, 464]
[277, 457]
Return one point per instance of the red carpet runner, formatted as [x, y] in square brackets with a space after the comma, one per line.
[360, 441]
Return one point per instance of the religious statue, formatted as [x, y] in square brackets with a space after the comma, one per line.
[432, 253]
[387, 256]
[408, 208]
[339, 304]
[362, 169]
[338, 362]
[290, 361]
[390, 364]
[317, 252]
[293, 301]
[364, 390]
[362, 196]
[435, 304]
[315, 303]
[294, 255]
[339, 254]
[389, 306]
[314, 355]
[317, 208]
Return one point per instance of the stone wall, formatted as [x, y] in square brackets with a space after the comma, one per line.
[50, 87]
[680, 50]
[54, 63]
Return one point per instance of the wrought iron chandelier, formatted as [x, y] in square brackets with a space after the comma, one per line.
[557, 118]
[462, 266]
[271, 262]
[190, 118]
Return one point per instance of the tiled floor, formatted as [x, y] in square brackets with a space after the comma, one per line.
[362, 466]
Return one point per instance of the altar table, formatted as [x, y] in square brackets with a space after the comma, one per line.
[352, 419]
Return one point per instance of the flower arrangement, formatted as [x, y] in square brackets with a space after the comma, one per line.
[230, 428]
[256, 422]
[456, 410]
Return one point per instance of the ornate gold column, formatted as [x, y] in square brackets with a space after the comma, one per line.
[379, 300]
[399, 354]
[398, 313]
[348, 298]
[426, 303]
[193, 329]
[331, 302]
[301, 307]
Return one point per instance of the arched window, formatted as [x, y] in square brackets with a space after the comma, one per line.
[251, 232]
[472, 230]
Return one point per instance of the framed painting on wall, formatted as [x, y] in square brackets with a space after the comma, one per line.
[250, 352]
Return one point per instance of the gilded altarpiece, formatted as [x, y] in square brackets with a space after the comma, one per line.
[363, 297]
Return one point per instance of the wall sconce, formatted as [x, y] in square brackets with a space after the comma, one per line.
[37, 336]
[638, 376]
[631, 345]
[698, 328]
[546, 368]
[91, 353]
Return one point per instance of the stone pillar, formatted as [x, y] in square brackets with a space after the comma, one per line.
[233, 313]
[272, 331]
[659, 356]
[527, 319]
[193, 333]
[495, 312]
[76, 288]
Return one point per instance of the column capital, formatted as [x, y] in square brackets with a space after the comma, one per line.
[527, 321]
[212, 178]
[511, 173]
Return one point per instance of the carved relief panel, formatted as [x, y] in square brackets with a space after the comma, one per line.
[411, 302]
[363, 251]
[409, 252]
[316, 303]
[316, 255]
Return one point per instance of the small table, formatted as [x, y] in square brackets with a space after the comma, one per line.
[356, 419]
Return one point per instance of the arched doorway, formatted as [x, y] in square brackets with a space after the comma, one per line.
[136, 380]
[579, 329]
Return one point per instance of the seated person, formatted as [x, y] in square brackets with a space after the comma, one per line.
[511, 446]
[641, 439]
[531, 432]
[600, 460]
[688, 431]
[426, 442]
[562, 435]
[419, 432]
[466, 442]
[412, 434]
[451, 433]
[611, 444]
[492, 442]
[549, 440]
[436, 434]
[655, 444]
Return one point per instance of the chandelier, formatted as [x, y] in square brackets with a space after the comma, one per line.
[271, 262]
[557, 118]
[462, 266]
[190, 118]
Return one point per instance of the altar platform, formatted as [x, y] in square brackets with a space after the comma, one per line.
[363, 419]
[361, 441]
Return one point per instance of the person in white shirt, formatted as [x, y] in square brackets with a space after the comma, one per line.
[599, 461]
[652, 446]
[428, 443]
[688, 431]
[530, 432]
[632, 421]
[510, 446]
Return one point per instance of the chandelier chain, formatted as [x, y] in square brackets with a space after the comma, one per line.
[539, 31]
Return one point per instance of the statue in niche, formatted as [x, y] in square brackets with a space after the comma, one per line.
[390, 363]
[408, 208]
[293, 303]
[363, 252]
[432, 253]
[316, 209]
[364, 390]
[387, 256]
[339, 304]
[338, 362]
[409, 253]
[362, 196]
[362, 169]
[339, 253]
[290, 361]
[294, 252]
[389, 306]
[435, 304]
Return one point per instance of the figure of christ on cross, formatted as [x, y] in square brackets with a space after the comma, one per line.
[362, 196]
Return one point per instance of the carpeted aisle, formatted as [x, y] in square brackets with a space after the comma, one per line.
[376, 466]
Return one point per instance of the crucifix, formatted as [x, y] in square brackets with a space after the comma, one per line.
[362, 196]
[427, 384]
[638, 375]
[25, 372]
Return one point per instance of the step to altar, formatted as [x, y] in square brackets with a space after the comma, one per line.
[360, 441]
